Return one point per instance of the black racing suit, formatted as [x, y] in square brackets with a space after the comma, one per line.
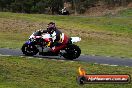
[59, 42]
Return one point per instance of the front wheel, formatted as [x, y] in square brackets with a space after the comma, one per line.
[72, 52]
[29, 50]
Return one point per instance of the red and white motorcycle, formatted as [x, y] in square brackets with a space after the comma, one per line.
[39, 43]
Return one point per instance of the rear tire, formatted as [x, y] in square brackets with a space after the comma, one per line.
[29, 50]
[72, 52]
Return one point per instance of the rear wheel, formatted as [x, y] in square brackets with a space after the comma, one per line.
[29, 50]
[72, 52]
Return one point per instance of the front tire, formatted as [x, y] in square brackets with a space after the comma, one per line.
[72, 52]
[29, 50]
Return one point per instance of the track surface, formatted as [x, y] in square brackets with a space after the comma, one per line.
[94, 59]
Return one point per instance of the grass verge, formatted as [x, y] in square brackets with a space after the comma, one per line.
[22, 72]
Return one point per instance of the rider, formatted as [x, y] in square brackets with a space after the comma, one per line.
[59, 39]
[63, 10]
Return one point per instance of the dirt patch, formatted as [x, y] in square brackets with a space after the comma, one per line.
[130, 5]
[103, 10]
[100, 36]
[18, 26]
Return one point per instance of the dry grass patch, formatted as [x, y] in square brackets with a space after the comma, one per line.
[19, 26]
[100, 35]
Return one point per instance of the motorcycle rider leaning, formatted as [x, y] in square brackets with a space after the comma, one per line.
[59, 39]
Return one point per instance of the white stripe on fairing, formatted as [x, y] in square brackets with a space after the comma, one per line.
[62, 37]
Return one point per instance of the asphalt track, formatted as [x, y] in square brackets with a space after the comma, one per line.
[113, 61]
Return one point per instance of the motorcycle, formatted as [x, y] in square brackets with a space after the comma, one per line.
[63, 13]
[40, 43]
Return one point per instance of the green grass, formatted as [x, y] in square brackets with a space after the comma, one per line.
[106, 36]
[21, 72]
[127, 12]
